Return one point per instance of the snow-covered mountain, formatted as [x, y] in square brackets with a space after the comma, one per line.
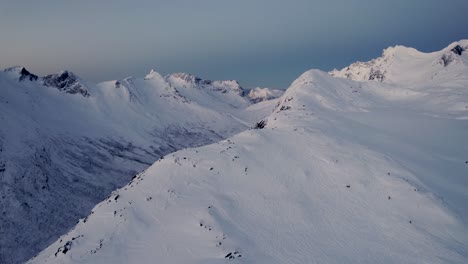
[401, 64]
[343, 171]
[66, 143]
[263, 94]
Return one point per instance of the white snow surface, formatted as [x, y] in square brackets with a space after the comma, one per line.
[344, 171]
[65, 143]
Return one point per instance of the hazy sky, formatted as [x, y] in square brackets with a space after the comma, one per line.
[258, 42]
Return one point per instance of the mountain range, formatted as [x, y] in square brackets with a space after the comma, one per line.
[66, 143]
[367, 164]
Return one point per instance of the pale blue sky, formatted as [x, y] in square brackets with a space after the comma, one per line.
[258, 42]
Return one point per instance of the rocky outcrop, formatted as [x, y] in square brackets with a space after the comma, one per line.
[458, 50]
[22, 73]
[66, 81]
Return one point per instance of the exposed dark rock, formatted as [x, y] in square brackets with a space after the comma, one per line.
[23, 73]
[232, 255]
[65, 248]
[26, 75]
[447, 59]
[260, 124]
[67, 82]
[376, 75]
[458, 50]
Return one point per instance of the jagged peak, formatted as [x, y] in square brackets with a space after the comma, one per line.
[229, 85]
[63, 75]
[16, 68]
[21, 73]
[66, 81]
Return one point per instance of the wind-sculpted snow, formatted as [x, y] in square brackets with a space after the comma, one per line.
[341, 171]
[65, 144]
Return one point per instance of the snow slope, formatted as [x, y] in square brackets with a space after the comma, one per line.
[342, 171]
[65, 144]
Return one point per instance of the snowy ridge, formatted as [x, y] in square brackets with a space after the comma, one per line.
[445, 98]
[66, 143]
[338, 173]
[222, 93]
[20, 73]
[401, 64]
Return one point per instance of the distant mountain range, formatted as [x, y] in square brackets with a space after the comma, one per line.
[366, 164]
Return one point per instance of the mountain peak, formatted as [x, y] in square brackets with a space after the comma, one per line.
[454, 52]
[188, 80]
[68, 82]
[21, 73]
[152, 75]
